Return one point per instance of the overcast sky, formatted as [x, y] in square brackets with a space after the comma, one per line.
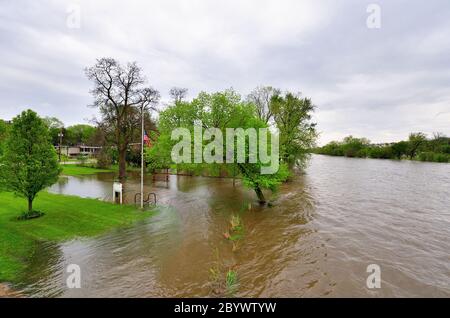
[381, 83]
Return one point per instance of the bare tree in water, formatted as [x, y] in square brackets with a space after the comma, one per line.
[119, 92]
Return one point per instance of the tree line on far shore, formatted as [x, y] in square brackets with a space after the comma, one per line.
[417, 147]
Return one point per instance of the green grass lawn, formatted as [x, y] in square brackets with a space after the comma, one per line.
[66, 217]
[74, 170]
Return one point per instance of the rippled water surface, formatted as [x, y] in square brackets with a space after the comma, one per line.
[324, 229]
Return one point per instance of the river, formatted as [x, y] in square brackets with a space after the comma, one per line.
[324, 229]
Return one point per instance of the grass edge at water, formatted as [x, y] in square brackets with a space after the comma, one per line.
[66, 218]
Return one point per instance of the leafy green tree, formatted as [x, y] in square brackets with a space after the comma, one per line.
[29, 163]
[380, 152]
[418, 147]
[416, 140]
[333, 148]
[352, 147]
[4, 128]
[220, 110]
[399, 149]
[55, 127]
[292, 116]
[159, 155]
[79, 134]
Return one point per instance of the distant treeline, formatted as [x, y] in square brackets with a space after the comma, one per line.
[417, 147]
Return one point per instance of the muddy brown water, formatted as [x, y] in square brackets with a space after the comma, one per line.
[325, 228]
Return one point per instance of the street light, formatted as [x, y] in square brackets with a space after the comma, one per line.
[142, 156]
[60, 135]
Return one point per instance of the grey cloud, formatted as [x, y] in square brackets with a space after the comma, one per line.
[381, 84]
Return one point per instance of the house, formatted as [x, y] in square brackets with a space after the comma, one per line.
[75, 151]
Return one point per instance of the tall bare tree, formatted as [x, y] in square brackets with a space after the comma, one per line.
[261, 97]
[178, 94]
[119, 93]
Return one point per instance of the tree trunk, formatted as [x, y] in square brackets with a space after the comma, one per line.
[122, 164]
[260, 195]
[30, 205]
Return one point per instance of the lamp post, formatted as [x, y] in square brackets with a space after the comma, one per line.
[142, 157]
[60, 135]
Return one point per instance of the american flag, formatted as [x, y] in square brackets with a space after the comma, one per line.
[147, 140]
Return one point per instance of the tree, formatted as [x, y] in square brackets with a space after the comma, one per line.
[178, 94]
[416, 140]
[4, 128]
[399, 149]
[262, 97]
[354, 147]
[30, 163]
[292, 116]
[119, 93]
[79, 134]
[220, 110]
[55, 127]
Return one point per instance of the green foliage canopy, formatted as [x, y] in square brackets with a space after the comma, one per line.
[29, 163]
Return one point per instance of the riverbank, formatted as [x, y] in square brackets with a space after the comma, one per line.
[418, 159]
[418, 147]
[66, 217]
[77, 170]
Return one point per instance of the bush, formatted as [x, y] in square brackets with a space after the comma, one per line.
[82, 159]
[104, 160]
[133, 157]
[381, 152]
[446, 149]
[440, 157]
[433, 157]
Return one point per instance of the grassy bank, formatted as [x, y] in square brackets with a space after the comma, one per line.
[66, 217]
[75, 170]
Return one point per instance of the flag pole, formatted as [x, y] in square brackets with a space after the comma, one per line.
[142, 157]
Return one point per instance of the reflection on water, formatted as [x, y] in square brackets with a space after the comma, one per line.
[325, 228]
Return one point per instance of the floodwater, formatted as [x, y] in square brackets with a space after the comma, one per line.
[324, 229]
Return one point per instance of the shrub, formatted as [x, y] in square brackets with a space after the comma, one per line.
[104, 160]
[433, 157]
[82, 160]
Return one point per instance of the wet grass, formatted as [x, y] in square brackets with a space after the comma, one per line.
[66, 217]
[231, 282]
[75, 170]
[223, 283]
[236, 231]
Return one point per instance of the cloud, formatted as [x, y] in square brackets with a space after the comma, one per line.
[380, 83]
